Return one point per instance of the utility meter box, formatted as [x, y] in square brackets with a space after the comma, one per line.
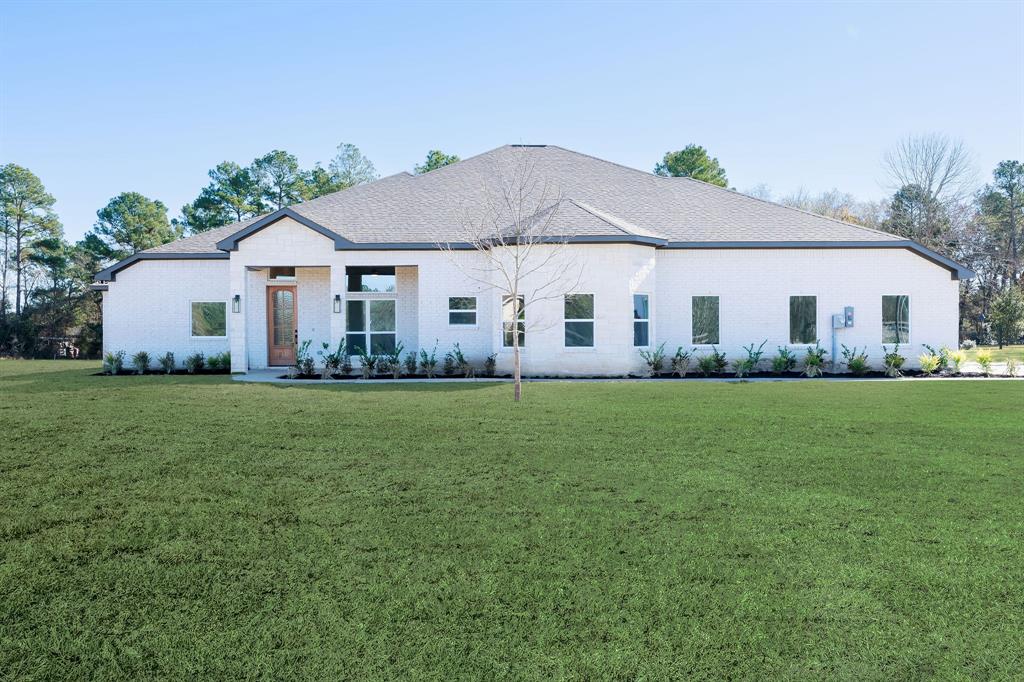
[838, 321]
[848, 312]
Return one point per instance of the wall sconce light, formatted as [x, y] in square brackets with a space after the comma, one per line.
[337, 303]
[236, 304]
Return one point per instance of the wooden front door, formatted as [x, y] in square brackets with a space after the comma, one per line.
[282, 325]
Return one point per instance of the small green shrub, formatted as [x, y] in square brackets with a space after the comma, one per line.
[856, 361]
[460, 362]
[751, 362]
[194, 363]
[929, 363]
[893, 361]
[712, 363]
[814, 361]
[392, 362]
[113, 363]
[367, 363]
[140, 361]
[410, 363]
[942, 354]
[304, 363]
[490, 364]
[741, 368]
[958, 358]
[985, 360]
[334, 362]
[449, 365]
[655, 359]
[681, 362]
[428, 361]
[219, 361]
[784, 362]
[167, 362]
[1011, 367]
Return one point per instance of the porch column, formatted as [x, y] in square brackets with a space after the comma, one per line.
[337, 289]
[236, 321]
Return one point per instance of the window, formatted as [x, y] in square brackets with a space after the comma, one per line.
[462, 310]
[704, 320]
[209, 318]
[579, 320]
[507, 324]
[895, 319]
[641, 320]
[286, 274]
[370, 280]
[803, 319]
[376, 330]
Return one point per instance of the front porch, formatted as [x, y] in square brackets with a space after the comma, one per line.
[372, 307]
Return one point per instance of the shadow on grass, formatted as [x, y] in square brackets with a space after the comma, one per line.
[388, 387]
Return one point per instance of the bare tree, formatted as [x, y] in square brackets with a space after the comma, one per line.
[522, 249]
[937, 163]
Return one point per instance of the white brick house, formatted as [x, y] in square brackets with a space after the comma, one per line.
[664, 260]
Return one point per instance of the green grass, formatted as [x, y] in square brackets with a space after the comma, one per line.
[998, 354]
[195, 527]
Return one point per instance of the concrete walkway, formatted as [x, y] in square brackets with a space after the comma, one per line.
[266, 376]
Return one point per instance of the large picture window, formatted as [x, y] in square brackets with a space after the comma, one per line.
[462, 310]
[705, 320]
[507, 324]
[895, 319]
[803, 319]
[370, 280]
[209, 318]
[579, 320]
[641, 321]
[370, 324]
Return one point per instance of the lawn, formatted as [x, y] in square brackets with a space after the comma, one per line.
[195, 527]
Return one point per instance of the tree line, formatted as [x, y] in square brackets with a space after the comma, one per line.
[46, 300]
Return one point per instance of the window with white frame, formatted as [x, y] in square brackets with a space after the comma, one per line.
[209, 318]
[508, 323]
[895, 319]
[462, 311]
[370, 325]
[803, 319]
[579, 320]
[641, 320]
[704, 320]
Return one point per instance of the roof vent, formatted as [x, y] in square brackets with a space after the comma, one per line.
[527, 145]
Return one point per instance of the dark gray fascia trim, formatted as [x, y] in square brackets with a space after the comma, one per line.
[231, 243]
[957, 271]
[109, 274]
[98, 287]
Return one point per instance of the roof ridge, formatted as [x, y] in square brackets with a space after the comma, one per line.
[617, 222]
[778, 205]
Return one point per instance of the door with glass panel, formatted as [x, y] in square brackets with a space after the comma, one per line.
[282, 320]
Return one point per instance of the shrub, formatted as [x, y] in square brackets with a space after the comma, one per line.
[490, 364]
[1011, 367]
[856, 361]
[814, 361]
[681, 362]
[167, 362]
[392, 362]
[113, 363]
[219, 361]
[784, 362]
[449, 365]
[968, 344]
[367, 363]
[333, 362]
[942, 354]
[304, 363]
[741, 368]
[929, 363]
[753, 357]
[893, 361]
[428, 363]
[655, 359]
[140, 361]
[713, 363]
[410, 363]
[957, 357]
[460, 362]
[194, 363]
[985, 360]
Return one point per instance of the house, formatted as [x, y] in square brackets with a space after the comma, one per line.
[662, 260]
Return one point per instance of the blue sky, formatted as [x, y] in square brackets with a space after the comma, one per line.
[103, 98]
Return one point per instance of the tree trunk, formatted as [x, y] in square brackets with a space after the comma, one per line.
[517, 375]
[17, 270]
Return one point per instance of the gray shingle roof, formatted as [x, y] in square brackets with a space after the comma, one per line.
[596, 198]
